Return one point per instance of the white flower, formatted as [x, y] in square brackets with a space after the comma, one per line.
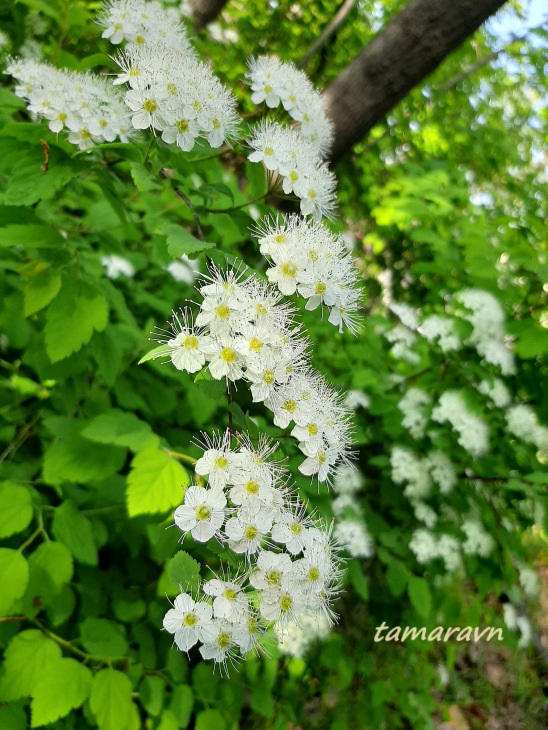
[441, 470]
[202, 513]
[189, 622]
[272, 570]
[117, 266]
[230, 601]
[247, 531]
[186, 344]
[441, 329]
[478, 542]
[218, 461]
[222, 646]
[413, 406]
[473, 432]
[528, 579]
[353, 535]
[290, 528]
[496, 391]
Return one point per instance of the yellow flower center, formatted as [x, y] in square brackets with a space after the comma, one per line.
[290, 406]
[221, 462]
[313, 429]
[313, 255]
[223, 311]
[295, 528]
[322, 457]
[190, 620]
[261, 310]
[172, 89]
[255, 344]
[216, 123]
[268, 377]
[251, 532]
[285, 603]
[182, 126]
[273, 577]
[118, 26]
[293, 176]
[252, 488]
[313, 574]
[311, 194]
[280, 238]
[320, 288]
[289, 270]
[230, 594]
[268, 88]
[203, 512]
[228, 354]
[252, 625]
[268, 151]
[190, 342]
[150, 106]
[223, 640]
[139, 40]
[134, 72]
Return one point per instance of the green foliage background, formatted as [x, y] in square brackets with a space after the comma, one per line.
[92, 466]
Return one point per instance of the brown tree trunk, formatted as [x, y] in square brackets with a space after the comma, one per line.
[205, 11]
[411, 46]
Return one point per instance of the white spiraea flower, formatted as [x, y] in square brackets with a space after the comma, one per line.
[410, 470]
[117, 266]
[274, 82]
[189, 621]
[403, 340]
[311, 260]
[442, 331]
[441, 470]
[296, 637]
[202, 513]
[185, 343]
[352, 534]
[478, 542]
[496, 391]
[413, 405]
[528, 579]
[425, 513]
[84, 105]
[524, 424]
[472, 430]
[229, 599]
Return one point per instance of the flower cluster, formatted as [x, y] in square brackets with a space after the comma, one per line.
[176, 95]
[311, 260]
[350, 529]
[143, 23]
[478, 542]
[473, 432]
[243, 331]
[413, 405]
[496, 391]
[486, 315]
[290, 563]
[275, 82]
[84, 105]
[428, 546]
[418, 474]
[285, 151]
[523, 422]
[441, 330]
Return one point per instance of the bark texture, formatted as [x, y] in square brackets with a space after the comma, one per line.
[409, 48]
[205, 11]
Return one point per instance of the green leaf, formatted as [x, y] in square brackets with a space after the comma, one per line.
[156, 352]
[183, 570]
[32, 236]
[15, 508]
[154, 483]
[210, 191]
[75, 314]
[262, 701]
[120, 428]
[151, 692]
[396, 577]
[29, 182]
[180, 241]
[103, 638]
[13, 717]
[358, 579]
[56, 560]
[168, 721]
[74, 530]
[144, 180]
[210, 720]
[110, 699]
[27, 658]
[214, 389]
[182, 704]
[62, 688]
[419, 594]
[75, 459]
[14, 576]
[40, 289]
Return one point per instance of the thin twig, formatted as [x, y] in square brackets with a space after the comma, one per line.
[20, 437]
[191, 208]
[330, 29]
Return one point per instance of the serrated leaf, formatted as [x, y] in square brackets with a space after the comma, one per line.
[15, 508]
[154, 483]
[419, 594]
[75, 459]
[75, 314]
[183, 570]
[74, 530]
[110, 699]
[144, 180]
[180, 241]
[56, 560]
[104, 638]
[14, 577]
[29, 182]
[120, 428]
[156, 352]
[64, 687]
[27, 657]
